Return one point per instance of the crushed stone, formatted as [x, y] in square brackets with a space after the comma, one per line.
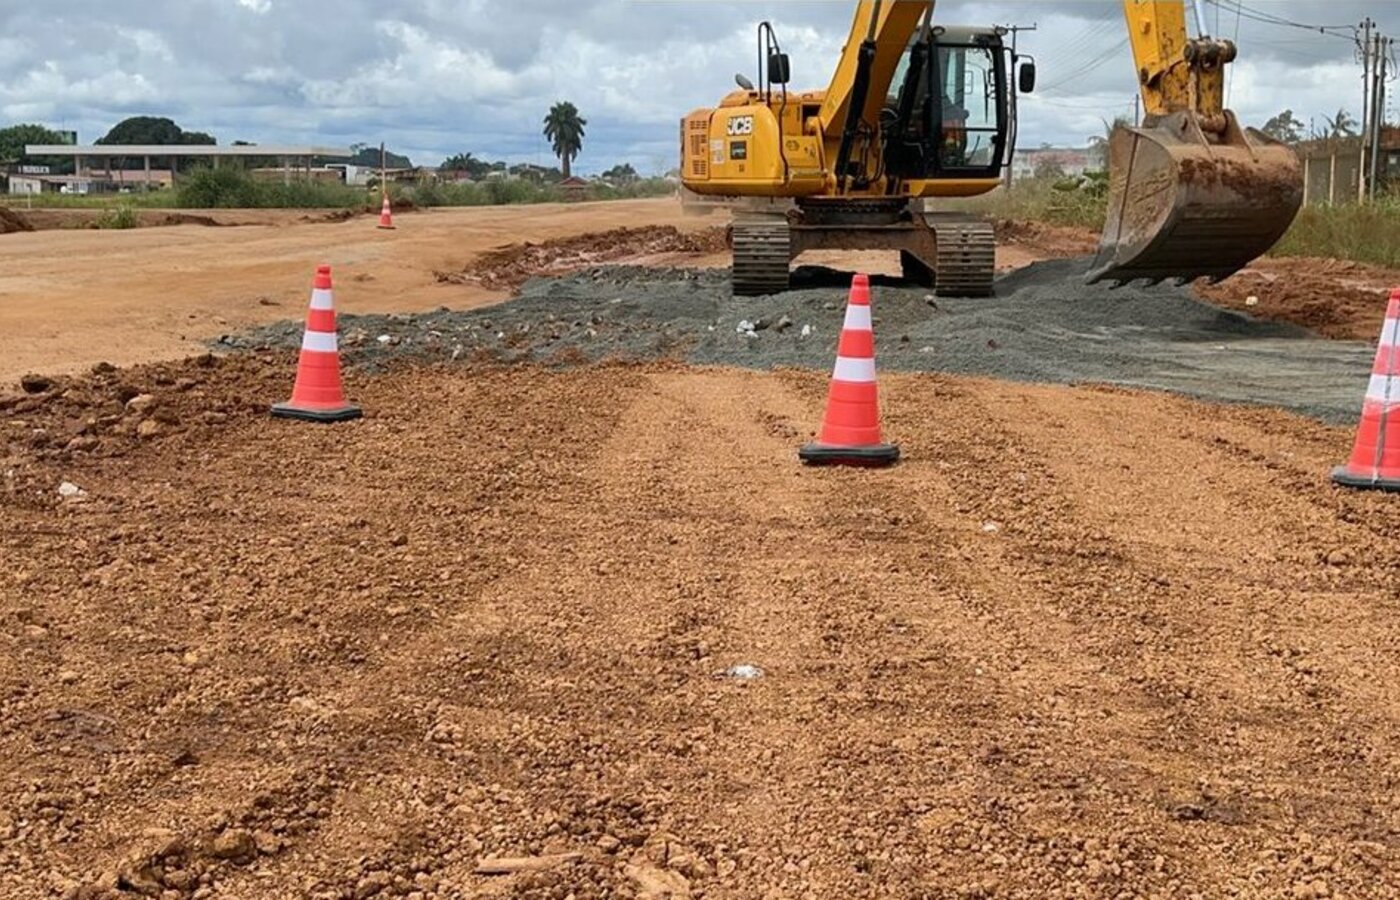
[1044, 325]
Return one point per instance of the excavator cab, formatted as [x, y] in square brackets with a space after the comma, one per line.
[950, 115]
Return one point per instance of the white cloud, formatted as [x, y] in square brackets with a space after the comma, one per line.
[437, 77]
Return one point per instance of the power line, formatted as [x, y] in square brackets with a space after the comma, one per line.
[1093, 64]
[1345, 32]
[1091, 35]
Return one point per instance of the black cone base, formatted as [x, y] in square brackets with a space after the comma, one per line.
[869, 457]
[1364, 482]
[335, 414]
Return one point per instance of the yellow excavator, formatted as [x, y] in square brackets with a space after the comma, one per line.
[918, 110]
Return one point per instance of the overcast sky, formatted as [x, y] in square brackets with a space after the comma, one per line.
[436, 77]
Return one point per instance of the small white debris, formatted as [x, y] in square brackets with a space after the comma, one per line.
[991, 527]
[744, 672]
[456, 351]
[384, 338]
[615, 300]
[70, 491]
[806, 330]
[1251, 300]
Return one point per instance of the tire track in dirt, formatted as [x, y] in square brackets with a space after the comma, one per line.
[503, 639]
[1163, 643]
[1315, 594]
[1018, 796]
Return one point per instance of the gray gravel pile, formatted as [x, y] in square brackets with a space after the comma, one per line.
[1045, 325]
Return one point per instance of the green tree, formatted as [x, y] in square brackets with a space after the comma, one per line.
[473, 167]
[152, 130]
[564, 129]
[13, 139]
[624, 174]
[1342, 125]
[1098, 143]
[1285, 127]
[369, 156]
[461, 162]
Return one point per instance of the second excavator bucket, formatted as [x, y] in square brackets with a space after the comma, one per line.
[1181, 207]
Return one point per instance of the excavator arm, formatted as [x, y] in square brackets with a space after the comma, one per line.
[879, 38]
[1191, 193]
[1167, 60]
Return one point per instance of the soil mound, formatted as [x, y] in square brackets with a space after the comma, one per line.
[511, 266]
[12, 221]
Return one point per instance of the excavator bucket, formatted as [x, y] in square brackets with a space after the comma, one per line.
[1181, 207]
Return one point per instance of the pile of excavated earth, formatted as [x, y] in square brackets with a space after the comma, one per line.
[1044, 324]
[563, 617]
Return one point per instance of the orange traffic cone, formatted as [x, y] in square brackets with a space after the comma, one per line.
[1375, 458]
[317, 395]
[850, 434]
[386, 216]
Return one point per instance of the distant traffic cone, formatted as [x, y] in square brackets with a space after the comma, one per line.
[317, 395]
[850, 434]
[386, 216]
[1375, 458]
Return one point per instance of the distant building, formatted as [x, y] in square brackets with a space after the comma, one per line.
[33, 180]
[1071, 161]
[354, 175]
[575, 188]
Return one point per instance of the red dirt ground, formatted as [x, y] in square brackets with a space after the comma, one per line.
[266, 659]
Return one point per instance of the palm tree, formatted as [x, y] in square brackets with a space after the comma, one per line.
[564, 128]
[1342, 125]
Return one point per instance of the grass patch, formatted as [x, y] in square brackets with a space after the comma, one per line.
[229, 187]
[232, 188]
[118, 217]
[1077, 202]
[501, 192]
[1361, 233]
[137, 199]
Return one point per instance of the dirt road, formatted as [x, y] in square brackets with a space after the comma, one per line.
[1083, 643]
[69, 299]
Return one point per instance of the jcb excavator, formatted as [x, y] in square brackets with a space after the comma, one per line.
[918, 110]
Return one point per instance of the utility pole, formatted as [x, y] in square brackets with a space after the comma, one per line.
[1366, 26]
[1014, 31]
[1137, 110]
[1382, 64]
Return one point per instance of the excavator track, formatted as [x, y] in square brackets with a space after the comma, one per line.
[966, 264]
[762, 252]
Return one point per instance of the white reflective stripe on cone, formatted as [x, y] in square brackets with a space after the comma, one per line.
[1384, 389]
[321, 299]
[1390, 334]
[320, 341]
[854, 369]
[858, 318]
